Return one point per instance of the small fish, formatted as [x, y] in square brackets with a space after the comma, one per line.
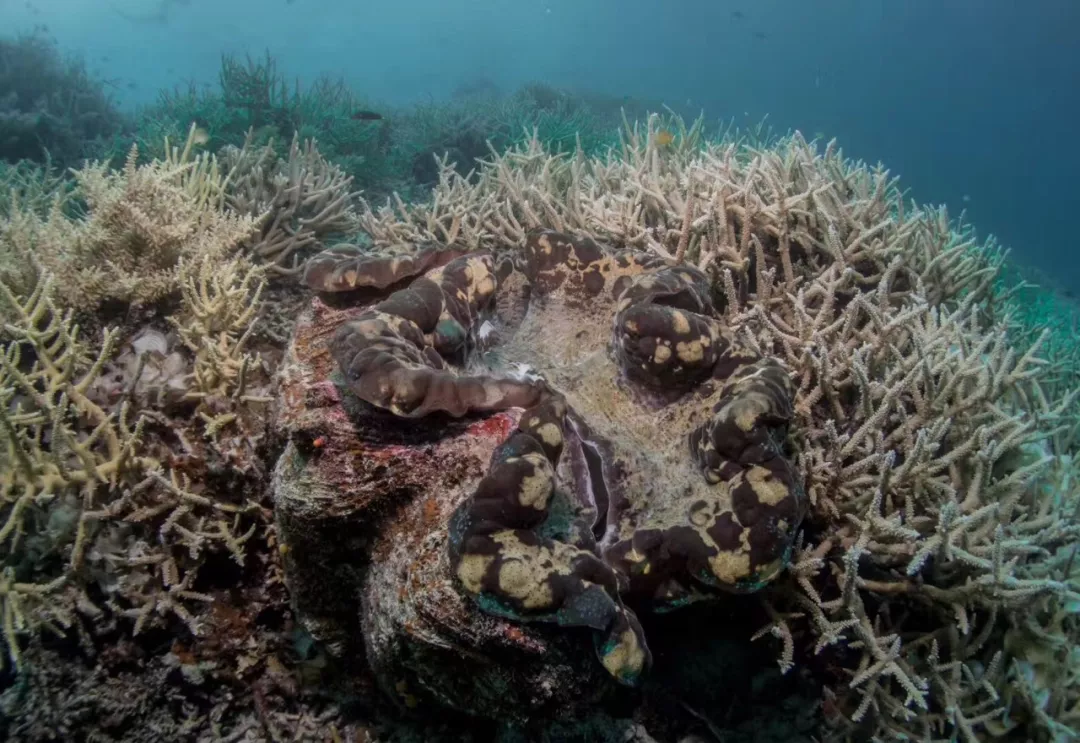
[738, 15]
[663, 138]
[966, 198]
[760, 35]
[200, 136]
[366, 116]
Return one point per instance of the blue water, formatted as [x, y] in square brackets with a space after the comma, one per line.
[973, 102]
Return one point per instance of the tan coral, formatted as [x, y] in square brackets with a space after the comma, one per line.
[140, 222]
[935, 437]
[220, 301]
[301, 200]
[56, 443]
[76, 478]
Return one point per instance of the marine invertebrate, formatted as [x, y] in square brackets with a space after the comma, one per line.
[140, 222]
[936, 444]
[48, 465]
[220, 303]
[657, 470]
[301, 200]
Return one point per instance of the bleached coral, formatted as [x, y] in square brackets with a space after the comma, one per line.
[60, 450]
[305, 197]
[139, 223]
[932, 434]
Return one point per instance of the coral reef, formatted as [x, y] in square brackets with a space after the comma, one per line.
[48, 461]
[139, 224]
[402, 151]
[28, 185]
[756, 376]
[51, 109]
[73, 504]
[302, 199]
[941, 500]
[133, 467]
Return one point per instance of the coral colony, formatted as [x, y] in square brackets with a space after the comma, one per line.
[688, 435]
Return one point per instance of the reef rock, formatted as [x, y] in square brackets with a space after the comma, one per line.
[363, 500]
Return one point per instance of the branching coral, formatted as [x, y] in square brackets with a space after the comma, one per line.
[140, 222]
[218, 316]
[90, 503]
[934, 450]
[220, 301]
[31, 186]
[61, 451]
[305, 197]
[254, 86]
[82, 504]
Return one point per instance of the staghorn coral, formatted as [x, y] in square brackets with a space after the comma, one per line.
[255, 88]
[305, 197]
[74, 473]
[934, 452]
[51, 468]
[731, 506]
[31, 186]
[219, 305]
[132, 470]
[100, 516]
[229, 384]
[255, 98]
[139, 223]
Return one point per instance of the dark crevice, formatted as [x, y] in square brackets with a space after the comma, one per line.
[595, 465]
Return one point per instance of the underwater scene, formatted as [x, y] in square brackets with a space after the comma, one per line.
[704, 371]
